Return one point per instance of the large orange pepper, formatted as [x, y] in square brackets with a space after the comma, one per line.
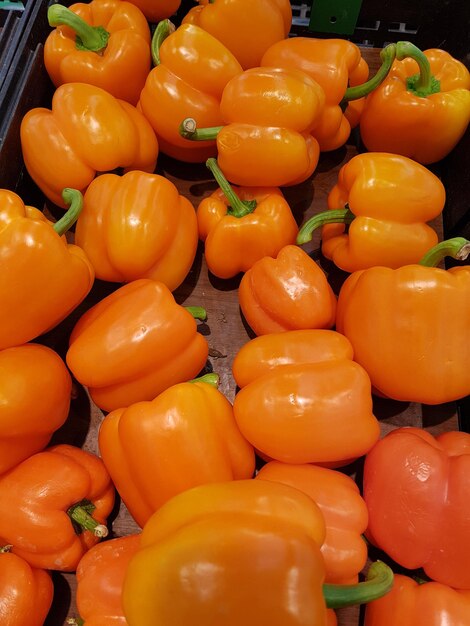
[26, 592]
[186, 436]
[36, 388]
[386, 200]
[303, 399]
[191, 70]
[247, 28]
[289, 292]
[105, 43]
[344, 510]
[63, 147]
[422, 109]
[269, 115]
[409, 326]
[242, 552]
[418, 495]
[38, 266]
[54, 505]
[413, 603]
[240, 226]
[137, 226]
[135, 343]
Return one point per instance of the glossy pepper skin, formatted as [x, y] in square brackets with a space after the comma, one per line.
[390, 198]
[410, 603]
[344, 510]
[302, 399]
[36, 388]
[422, 120]
[288, 292]
[239, 226]
[246, 28]
[38, 265]
[418, 513]
[135, 343]
[26, 592]
[64, 148]
[187, 436]
[36, 498]
[117, 60]
[137, 226]
[191, 70]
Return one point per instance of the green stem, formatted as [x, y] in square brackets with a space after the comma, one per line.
[189, 130]
[379, 581]
[197, 312]
[80, 514]
[387, 56]
[74, 198]
[237, 207]
[92, 38]
[424, 83]
[212, 379]
[334, 216]
[162, 31]
[458, 248]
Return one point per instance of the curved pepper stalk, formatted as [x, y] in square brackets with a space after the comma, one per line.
[92, 38]
[379, 581]
[387, 56]
[458, 248]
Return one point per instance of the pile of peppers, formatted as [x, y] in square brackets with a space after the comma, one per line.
[245, 511]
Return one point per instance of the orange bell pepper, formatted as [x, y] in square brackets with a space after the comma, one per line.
[289, 292]
[104, 43]
[422, 109]
[269, 115]
[62, 147]
[156, 10]
[242, 552]
[247, 28]
[137, 226]
[417, 491]
[303, 399]
[412, 603]
[386, 200]
[26, 592]
[38, 266]
[53, 506]
[135, 343]
[408, 326]
[191, 70]
[186, 436]
[241, 226]
[344, 510]
[36, 388]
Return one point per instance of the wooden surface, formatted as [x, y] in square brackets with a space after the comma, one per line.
[225, 332]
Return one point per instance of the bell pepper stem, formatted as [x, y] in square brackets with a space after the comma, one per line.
[162, 31]
[198, 312]
[333, 216]
[92, 38]
[458, 248]
[75, 621]
[188, 130]
[6, 548]
[379, 581]
[80, 514]
[237, 207]
[212, 379]
[387, 56]
[74, 199]
[424, 83]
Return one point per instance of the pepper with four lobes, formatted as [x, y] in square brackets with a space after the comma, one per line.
[239, 226]
[137, 226]
[247, 28]
[269, 115]
[135, 343]
[409, 326]
[386, 199]
[240, 552]
[38, 265]
[191, 70]
[104, 43]
[62, 147]
[288, 292]
[186, 436]
[36, 392]
[418, 495]
[422, 109]
[54, 506]
[303, 399]
[26, 592]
